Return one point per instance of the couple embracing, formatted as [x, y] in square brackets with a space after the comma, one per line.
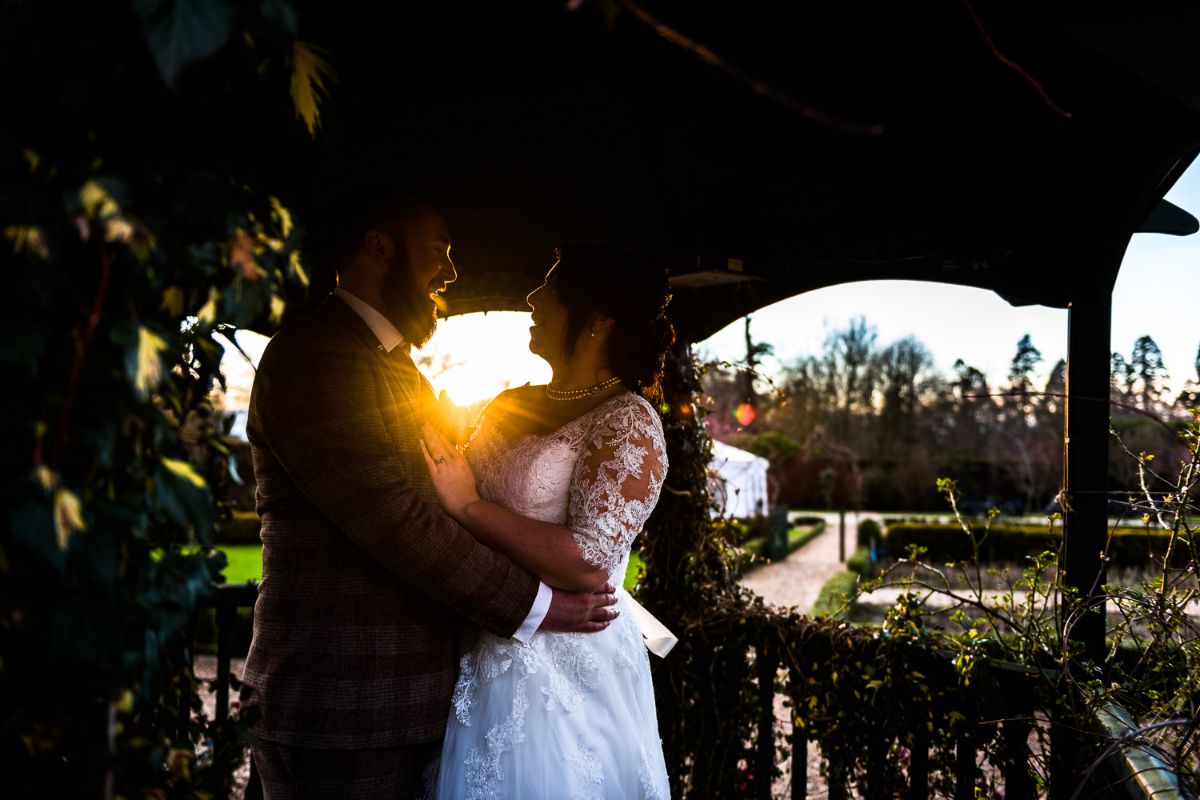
[433, 622]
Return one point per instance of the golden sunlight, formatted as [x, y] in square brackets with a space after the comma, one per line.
[474, 357]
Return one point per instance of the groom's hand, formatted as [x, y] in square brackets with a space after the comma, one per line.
[581, 612]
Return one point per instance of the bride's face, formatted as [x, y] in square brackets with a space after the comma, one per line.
[547, 335]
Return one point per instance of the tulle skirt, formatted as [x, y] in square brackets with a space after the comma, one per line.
[564, 716]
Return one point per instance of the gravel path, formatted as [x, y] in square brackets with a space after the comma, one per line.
[797, 580]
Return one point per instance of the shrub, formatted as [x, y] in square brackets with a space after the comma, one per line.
[1127, 546]
[240, 528]
[868, 531]
[836, 595]
[860, 562]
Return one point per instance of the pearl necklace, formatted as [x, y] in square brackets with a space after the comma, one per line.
[576, 394]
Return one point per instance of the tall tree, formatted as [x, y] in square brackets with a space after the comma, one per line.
[901, 367]
[1121, 379]
[1149, 373]
[1020, 377]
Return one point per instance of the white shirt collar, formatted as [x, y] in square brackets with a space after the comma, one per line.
[389, 338]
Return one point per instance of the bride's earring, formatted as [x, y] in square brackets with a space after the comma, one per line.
[593, 333]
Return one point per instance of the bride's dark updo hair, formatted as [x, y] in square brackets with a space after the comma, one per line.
[633, 291]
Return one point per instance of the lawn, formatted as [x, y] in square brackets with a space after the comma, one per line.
[245, 564]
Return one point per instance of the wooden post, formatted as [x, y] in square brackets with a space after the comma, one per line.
[1085, 462]
[842, 534]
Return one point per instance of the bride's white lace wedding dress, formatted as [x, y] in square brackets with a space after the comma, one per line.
[566, 715]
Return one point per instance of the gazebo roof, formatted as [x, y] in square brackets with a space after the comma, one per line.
[1020, 146]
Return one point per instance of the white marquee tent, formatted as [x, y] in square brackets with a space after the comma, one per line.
[739, 481]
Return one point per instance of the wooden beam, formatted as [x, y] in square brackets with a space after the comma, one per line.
[1085, 462]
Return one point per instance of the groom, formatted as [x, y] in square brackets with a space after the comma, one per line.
[366, 582]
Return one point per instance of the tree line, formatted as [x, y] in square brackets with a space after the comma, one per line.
[866, 424]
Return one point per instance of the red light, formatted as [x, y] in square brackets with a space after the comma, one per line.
[745, 415]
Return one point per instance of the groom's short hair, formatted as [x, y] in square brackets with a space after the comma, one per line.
[336, 233]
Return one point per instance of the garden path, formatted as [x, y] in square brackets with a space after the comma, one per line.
[797, 580]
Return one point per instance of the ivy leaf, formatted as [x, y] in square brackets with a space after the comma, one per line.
[186, 471]
[281, 14]
[284, 217]
[310, 70]
[183, 498]
[32, 524]
[144, 364]
[172, 301]
[298, 268]
[182, 32]
[68, 517]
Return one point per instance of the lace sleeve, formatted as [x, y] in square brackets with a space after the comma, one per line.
[616, 482]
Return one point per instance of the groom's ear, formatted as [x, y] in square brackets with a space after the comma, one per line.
[378, 243]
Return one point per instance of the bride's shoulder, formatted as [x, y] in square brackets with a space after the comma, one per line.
[514, 398]
[507, 404]
[630, 413]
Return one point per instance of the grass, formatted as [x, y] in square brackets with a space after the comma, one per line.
[798, 536]
[836, 596]
[245, 564]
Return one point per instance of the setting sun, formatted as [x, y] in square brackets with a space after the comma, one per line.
[474, 357]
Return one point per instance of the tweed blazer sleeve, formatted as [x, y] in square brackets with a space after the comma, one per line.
[321, 408]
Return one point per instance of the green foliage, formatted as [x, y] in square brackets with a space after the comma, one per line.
[860, 562]
[797, 537]
[243, 562]
[720, 680]
[129, 243]
[836, 594]
[871, 695]
[238, 528]
[868, 532]
[771, 445]
[1126, 546]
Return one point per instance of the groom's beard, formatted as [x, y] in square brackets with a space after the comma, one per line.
[409, 306]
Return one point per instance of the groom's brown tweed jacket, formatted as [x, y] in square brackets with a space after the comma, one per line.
[365, 580]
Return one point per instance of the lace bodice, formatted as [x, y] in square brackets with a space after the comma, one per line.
[565, 715]
[600, 475]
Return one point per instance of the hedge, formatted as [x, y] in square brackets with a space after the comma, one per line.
[1127, 546]
[798, 536]
[241, 527]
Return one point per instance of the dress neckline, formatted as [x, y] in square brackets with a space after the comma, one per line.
[559, 430]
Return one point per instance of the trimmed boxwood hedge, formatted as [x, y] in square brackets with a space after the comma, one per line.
[241, 527]
[1128, 546]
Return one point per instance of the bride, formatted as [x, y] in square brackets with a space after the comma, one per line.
[561, 479]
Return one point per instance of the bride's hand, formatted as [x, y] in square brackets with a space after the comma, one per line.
[451, 474]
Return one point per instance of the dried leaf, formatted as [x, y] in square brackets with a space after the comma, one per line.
[186, 471]
[27, 239]
[310, 70]
[68, 517]
[149, 363]
[241, 255]
[97, 202]
[298, 267]
[172, 301]
[208, 312]
[283, 215]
